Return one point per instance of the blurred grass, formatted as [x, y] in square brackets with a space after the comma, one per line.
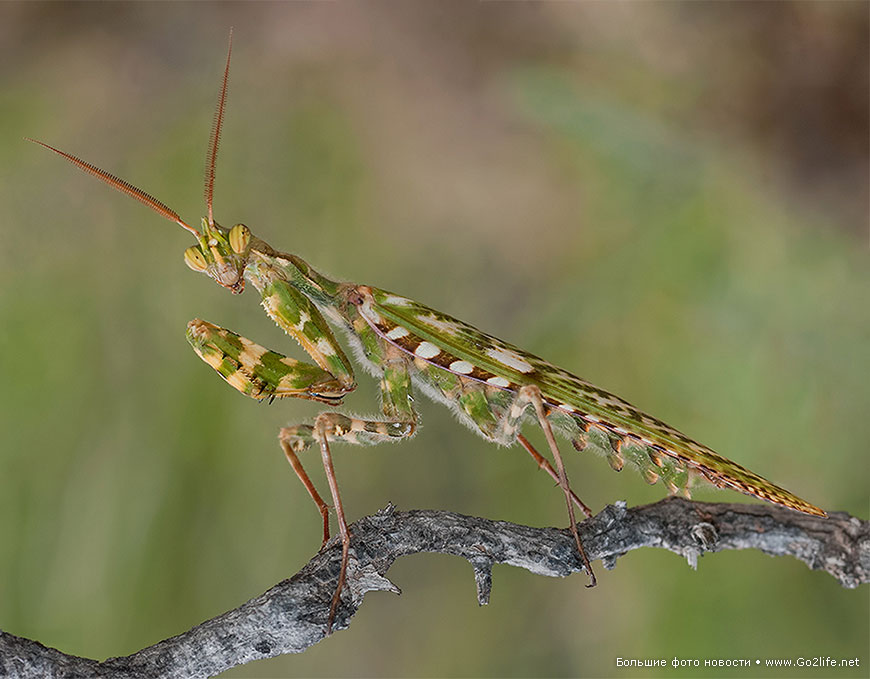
[547, 176]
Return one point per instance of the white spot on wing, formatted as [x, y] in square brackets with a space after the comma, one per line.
[397, 332]
[440, 324]
[461, 367]
[510, 359]
[427, 350]
[499, 382]
[396, 300]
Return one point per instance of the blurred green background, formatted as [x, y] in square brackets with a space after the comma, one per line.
[670, 199]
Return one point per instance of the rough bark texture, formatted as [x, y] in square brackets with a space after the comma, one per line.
[291, 616]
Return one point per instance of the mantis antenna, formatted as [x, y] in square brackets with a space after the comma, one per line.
[122, 186]
[215, 136]
[147, 199]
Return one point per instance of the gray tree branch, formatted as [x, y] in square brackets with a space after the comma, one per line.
[291, 616]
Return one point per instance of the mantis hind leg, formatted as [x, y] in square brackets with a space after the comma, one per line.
[499, 420]
[533, 395]
[508, 430]
[544, 463]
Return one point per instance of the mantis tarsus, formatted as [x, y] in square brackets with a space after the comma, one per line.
[493, 386]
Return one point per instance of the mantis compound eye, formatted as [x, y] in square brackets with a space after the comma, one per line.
[194, 258]
[240, 238]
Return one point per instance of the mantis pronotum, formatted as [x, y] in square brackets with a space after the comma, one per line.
[494, 387]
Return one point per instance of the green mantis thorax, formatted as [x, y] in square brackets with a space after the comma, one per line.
[493, 386]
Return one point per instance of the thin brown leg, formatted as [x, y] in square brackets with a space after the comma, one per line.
[320, 428]
[533, 393]
[400, 423]
[544, 464]
[294, 461]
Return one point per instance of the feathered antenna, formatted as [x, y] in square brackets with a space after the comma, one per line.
[122, 186]
[215, 137]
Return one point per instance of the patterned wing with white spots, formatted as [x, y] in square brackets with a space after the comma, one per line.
[462, 349]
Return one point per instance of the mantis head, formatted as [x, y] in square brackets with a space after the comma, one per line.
[221, 254]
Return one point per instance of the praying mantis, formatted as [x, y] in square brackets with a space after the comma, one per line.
[492, 386]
